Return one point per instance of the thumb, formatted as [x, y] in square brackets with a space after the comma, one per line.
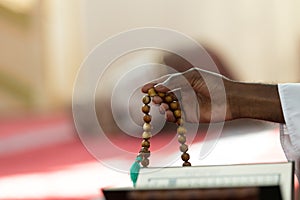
[151, 84]
[173, 82]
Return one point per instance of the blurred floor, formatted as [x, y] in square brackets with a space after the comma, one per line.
[42, 157]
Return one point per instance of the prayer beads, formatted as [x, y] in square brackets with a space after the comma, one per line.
[147, 118]
[174, 106]
[144, 152]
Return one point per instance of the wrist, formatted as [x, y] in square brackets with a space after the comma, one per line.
[254, 100]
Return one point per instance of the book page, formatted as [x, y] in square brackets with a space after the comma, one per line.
[270, 174]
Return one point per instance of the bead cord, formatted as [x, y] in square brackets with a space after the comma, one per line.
[174, 106]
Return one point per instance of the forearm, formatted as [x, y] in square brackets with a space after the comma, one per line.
[254, 100]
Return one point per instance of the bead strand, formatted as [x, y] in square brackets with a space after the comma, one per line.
[181, 130]
[145, 152]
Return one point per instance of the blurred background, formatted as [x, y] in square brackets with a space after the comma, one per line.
[44, 42]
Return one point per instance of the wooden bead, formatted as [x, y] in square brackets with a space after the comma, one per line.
[179, 122]
[185, 157]
[146, 155]
[174, 97]
[146, 109]
[161, 94]
[168, 99]
[184, 148]
[174, 105]
[146, 99]
[181, 139]
[151, 92]
[145, 162]
[177, 113]
[147, 118]
[145, 143]
[147, 127]
[181, 130]
[145, 152]
[186, 164]
[146, 135]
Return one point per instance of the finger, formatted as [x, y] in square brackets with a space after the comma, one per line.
[173, 82]
[163, 108]
[147, 86]
[161, 88]
[157, 100]
[170, 116]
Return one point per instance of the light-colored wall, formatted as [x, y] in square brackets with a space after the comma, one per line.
[259, 40]
[41, 52]
[20, 60]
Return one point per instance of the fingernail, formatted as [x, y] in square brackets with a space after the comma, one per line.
[161, 110]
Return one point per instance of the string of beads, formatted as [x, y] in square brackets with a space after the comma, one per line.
[174, 106]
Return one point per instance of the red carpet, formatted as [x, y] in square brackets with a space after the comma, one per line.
[43, 158]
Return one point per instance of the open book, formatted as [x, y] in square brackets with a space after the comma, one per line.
[245, 181]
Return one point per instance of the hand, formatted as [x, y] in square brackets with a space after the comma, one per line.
[202, 94]
[209, 97]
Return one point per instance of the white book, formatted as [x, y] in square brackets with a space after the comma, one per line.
[221, 176]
